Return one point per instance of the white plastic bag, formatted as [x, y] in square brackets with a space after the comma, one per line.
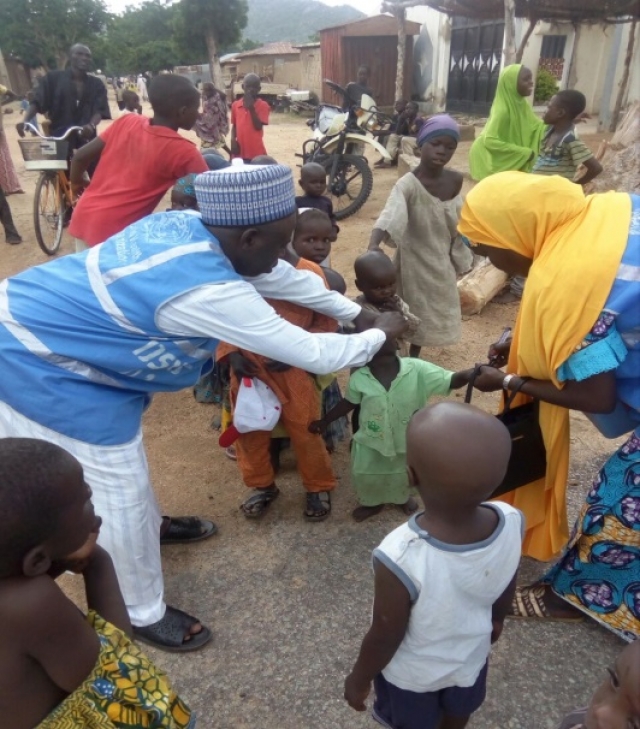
[257, 408]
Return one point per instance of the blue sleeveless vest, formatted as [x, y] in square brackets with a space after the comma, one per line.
[80, 351]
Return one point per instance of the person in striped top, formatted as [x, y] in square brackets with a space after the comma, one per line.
[562, 151]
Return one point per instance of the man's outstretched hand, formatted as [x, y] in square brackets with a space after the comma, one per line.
[392, 323]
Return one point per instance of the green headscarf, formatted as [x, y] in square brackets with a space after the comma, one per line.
[511, 133]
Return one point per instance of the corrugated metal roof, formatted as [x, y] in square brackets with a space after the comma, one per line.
[575, 11]
[382, 24]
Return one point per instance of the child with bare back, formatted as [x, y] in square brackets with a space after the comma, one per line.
[60, 669]
[444, 580]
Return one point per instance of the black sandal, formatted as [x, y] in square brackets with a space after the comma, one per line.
[255, 506]
[187, 529]
[168, 634]
[318, 506]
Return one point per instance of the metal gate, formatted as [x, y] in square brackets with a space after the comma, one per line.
[474, 66]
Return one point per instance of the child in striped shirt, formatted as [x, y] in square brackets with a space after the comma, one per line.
[562, 151]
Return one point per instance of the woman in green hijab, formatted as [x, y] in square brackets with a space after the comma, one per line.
[511, 137]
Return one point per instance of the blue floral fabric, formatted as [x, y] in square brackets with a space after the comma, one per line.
[599, 573]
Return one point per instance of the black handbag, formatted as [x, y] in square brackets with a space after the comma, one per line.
[528, 460]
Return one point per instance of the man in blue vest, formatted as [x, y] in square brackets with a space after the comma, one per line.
[86, 340]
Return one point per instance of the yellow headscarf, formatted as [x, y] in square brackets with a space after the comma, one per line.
[576, 244]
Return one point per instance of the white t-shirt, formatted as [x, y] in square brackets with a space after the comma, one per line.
[452, 588]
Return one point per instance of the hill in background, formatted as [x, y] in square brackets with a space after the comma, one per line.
[293, 20]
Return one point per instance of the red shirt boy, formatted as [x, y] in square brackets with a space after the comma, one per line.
[140, 159]
[249, 116]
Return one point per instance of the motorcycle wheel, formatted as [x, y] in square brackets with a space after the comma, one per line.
[351, 184]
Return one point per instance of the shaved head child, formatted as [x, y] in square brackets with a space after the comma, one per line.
[444, 580]
[377, 280]
[60, 668]
[616, 702]
[313, 181]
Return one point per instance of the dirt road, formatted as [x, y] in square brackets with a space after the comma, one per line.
[289, 601]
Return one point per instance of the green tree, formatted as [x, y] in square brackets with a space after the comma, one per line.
[141, 39]
[40, 32]
[246, 45]
[218, 22]
[546, 86]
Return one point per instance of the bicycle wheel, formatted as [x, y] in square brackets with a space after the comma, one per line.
[350, 185]
[48, 212]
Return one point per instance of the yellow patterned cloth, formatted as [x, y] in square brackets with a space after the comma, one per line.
[124, 691]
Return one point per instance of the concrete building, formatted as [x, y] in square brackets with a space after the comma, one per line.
[456, 60]
[311, 68]
[277, 63]
[372, 42]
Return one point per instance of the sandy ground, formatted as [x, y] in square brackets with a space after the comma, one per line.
[289, 601]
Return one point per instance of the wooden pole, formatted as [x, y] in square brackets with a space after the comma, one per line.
[609, 78]
[625, 77]
[525, 39]
[509, 32]
[401, 16]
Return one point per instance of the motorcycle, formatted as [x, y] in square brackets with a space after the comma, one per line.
[338, 143]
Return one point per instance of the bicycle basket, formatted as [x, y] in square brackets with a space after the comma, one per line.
[44, 154]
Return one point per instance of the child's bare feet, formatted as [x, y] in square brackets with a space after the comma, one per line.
[410, 506]
[361, 513]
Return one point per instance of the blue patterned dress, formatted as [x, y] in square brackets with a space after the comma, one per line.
[599, 573]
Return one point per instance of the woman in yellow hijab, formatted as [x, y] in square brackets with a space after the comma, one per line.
[576, 342]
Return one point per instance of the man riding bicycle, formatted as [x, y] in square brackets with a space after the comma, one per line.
[71, 98]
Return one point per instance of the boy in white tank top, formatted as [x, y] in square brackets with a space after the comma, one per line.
[444, 580]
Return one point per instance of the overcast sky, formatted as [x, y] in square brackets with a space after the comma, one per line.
[370, 7]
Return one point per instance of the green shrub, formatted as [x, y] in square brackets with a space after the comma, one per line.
[546, 86]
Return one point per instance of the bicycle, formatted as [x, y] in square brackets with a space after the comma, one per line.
[53, 200]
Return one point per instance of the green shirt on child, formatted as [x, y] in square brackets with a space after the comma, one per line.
[378, 453]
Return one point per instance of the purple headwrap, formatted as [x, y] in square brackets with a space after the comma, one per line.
[438, 126]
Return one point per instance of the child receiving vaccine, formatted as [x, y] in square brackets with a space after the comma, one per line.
[388, 390]
[444, 580]
[61, 668]
[377, 281]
